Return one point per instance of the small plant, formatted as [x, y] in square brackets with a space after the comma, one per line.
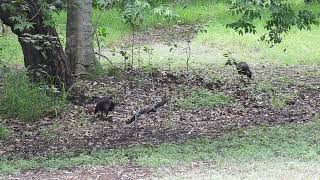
[286, 80]
[151, 70]
[22, 99]
[134, 12]
[265, 86]
[281, 101]
[204, 98]
[188, 52]
[149, 51]
[230, 59]
[125, 56]
[4, 132]
[172, 49]
[165, 12]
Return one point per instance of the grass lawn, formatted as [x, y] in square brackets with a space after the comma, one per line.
[292, 142]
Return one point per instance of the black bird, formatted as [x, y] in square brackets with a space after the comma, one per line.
[104, 105]
[243, 69]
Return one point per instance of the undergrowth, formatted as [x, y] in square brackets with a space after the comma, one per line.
[25, 100]
[299, 141]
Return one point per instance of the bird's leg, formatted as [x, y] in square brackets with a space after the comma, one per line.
[241, 79]
[100, 115]
[109, 119]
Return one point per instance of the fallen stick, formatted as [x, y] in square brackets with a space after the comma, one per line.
[147, 110]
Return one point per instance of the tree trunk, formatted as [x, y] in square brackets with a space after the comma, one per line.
[79, 46]
[2, 27]
[52, 60]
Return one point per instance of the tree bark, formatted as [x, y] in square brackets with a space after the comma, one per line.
[52, 60]
[79, 46]
[2, 27]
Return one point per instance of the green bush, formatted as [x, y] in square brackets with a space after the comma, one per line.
[28, 101]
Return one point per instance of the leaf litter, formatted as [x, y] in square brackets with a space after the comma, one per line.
[253, 103]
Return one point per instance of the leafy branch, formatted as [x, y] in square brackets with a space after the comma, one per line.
[283, 17]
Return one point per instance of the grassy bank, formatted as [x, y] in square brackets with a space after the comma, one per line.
[294, 141]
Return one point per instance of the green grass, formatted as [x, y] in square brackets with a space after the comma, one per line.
[4, 132]
[282, 100]
[300, 142]
[265, 86]
[301, 46]
[22, 99]
[10, 49]
[204, 98]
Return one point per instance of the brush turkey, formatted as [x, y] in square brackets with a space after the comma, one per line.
[104, 105]
[243, 69]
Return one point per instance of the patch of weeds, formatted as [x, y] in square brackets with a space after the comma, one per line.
[28, 101]
[151, 70]
[286, 80]
[264, 86]
[4, 132]
[204, 98]
[281, 101]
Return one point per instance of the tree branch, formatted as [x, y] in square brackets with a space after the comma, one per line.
[147, 110]
[109, 61]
